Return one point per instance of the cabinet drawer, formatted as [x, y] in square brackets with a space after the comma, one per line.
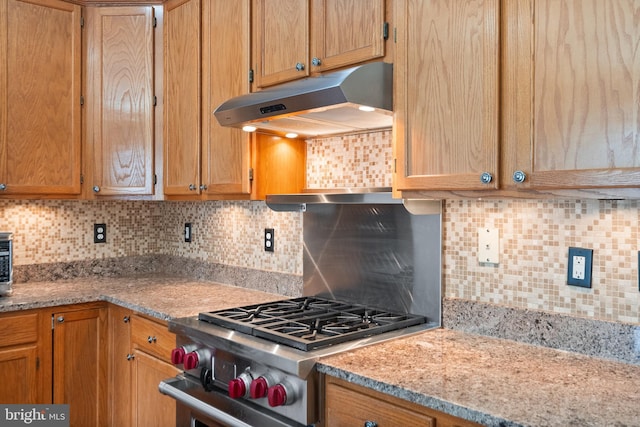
[152, 337]
[18, 329]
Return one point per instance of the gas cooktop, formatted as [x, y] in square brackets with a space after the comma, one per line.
[308, 323]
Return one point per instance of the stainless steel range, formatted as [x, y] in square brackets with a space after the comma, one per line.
[255, 365]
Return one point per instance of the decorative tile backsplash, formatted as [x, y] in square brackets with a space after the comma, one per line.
[534, 236]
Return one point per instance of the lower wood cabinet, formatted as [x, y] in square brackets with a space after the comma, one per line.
[25, 361]
[80, 362]
[140, 349]
[348, 405]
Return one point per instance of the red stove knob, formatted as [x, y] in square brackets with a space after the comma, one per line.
[238, 386]
[191, 360]
[277, 395]
[177, 355]
[259, 388]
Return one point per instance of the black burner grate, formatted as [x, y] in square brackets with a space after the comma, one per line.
[307, 323]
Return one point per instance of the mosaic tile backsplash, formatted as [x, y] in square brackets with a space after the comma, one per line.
[534, 236]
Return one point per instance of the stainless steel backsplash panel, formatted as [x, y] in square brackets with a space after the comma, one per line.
[374, 254]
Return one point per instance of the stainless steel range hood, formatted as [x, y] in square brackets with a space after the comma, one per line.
[328, 104]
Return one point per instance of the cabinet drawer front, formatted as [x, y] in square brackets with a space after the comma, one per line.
[18, 329]
[152, 337]
[347, 407]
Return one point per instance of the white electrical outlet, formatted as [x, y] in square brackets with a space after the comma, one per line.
[488, 245]
[579, 263]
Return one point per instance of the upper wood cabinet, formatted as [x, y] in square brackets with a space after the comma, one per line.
[182, 124]
[40, 95]
[571, 103]
[559, 79]
[120, 101]
[293, 38]
[226, 151]
[446, 134]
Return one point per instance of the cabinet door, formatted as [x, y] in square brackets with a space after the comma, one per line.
[24, 359]
[150, 407]
[120, 94]
[225, 69]
[120, 351]
[446, 95]
[571, 98]
[345, 32]
[280, 41]
[79, 365]
[40, 127]
[182, 125]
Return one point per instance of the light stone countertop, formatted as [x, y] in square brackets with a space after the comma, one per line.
[496, 382]
[492, 381]
[161, 296]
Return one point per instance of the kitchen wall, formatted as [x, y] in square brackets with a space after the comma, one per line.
[534, 236]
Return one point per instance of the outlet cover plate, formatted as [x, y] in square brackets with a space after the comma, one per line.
[99, 233]
[581, 261]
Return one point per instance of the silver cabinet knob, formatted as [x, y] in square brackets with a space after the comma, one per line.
[192, 187]
[299, 66]
[130, 356]
[3, 186]
[60, 319]
[519, 176]
[370, 424]
[126, 319]
[486, 177]
[151, 339]
[316, 62]
[96, 189]
[203, 187]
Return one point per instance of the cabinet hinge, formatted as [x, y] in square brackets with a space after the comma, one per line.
[82, 22]
[155, 100]
[385, 31]
[155, 179]
[395, 35]
[250, 174]
[52, 323]
[81, 100]
[250, 76]
[37, 363]
[155, 22]
[395, 165]
[81, 179]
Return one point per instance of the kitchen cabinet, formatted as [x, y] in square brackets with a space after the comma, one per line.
[140, 349]
[203, 160]
[348, 404]
[40, 98]
[119, 101]
[564, 122]
[79, 362]
[571, 104]
[293, 38]
[151, 363]
[120, 353]
[446, 95]
[25, 358]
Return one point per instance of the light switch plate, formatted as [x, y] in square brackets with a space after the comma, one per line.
[579, 267]
[488, 245]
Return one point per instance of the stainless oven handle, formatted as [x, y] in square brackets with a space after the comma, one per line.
[184, 398]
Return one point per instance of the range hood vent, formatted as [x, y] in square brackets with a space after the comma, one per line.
[328, 104]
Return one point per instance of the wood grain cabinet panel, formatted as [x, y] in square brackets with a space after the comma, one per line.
[120, 100]
[571, 98]
[120, 352]
[293, 39]
[40, 98]
[25, 359]
[348, 405]
[446, 95]
[80, 365]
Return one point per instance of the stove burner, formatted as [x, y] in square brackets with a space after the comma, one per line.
[307, 323]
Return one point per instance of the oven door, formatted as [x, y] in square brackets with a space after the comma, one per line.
[199, 408]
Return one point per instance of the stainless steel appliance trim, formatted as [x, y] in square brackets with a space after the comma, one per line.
[190, 394]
